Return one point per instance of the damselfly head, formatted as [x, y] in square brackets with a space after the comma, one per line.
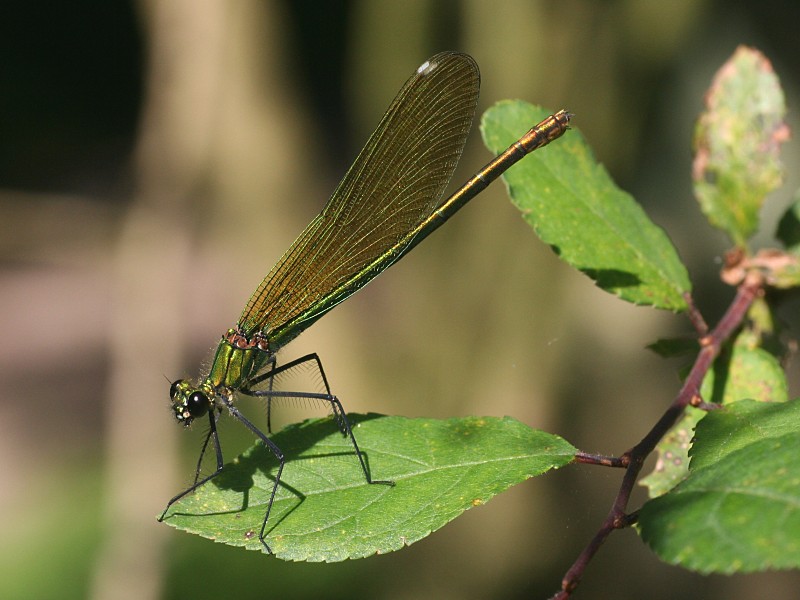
[190, 401]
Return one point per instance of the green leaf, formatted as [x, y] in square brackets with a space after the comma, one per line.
[789, 226]
[672, 347]
[742, 424]
[672, 465]
[325, 511]
[737, 143]
[745, 372]
[574, 206]
[739, 509]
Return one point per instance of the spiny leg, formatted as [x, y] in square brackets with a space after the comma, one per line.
[334, 402]
[272, 364]
[281, 462]
[213, 436]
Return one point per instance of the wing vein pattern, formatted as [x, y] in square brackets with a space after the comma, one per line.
[396, 181]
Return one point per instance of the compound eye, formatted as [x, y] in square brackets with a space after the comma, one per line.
[197, 404]
[175, 388]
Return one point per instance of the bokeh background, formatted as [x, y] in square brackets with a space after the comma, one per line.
[156, 158]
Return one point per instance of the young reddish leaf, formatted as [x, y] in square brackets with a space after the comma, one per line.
[737, 143]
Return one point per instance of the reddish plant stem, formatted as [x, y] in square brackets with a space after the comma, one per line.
[599, 459]
[695, 317]
[711, 344]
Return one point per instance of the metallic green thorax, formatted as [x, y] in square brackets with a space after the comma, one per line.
[237, 360]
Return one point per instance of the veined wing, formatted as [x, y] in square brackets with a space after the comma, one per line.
[395, 183]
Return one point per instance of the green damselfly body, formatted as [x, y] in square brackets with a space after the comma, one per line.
[387, 203]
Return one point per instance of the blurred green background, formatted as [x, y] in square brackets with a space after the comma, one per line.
[159, 156]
